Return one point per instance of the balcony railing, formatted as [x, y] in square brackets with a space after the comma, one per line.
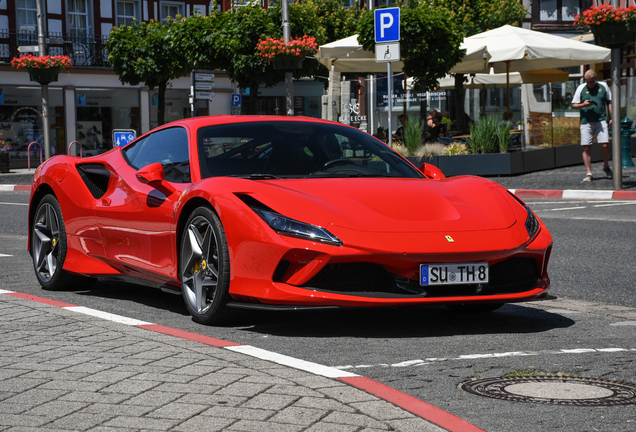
[84, 51]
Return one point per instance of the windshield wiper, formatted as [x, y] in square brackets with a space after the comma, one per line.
[256, 176]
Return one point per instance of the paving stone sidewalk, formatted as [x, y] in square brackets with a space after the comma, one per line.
[61, 370]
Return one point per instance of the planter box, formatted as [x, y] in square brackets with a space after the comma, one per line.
[44, 76]
[479, 164]
[538, 160]
[612, 35]
[4, 162]
[288, 62]
[568, 155]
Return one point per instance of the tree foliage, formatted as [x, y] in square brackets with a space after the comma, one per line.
[429, 41]
[476, 16]
[149, 53]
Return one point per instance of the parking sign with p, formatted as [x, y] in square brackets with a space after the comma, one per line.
[387, 24]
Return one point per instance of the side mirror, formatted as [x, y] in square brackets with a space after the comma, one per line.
[432, 171]
[154, 175]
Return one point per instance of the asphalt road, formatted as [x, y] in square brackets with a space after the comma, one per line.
[429, 352]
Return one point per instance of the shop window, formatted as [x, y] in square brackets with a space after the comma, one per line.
[170, 9]
[127, 11]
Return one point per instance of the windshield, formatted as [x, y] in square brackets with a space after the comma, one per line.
[293, 149]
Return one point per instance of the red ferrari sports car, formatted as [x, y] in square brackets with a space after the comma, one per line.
[282, 213]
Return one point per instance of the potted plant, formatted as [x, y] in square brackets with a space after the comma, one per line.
[287, 55]
[42, 69]
[4, 156]
[611, 26]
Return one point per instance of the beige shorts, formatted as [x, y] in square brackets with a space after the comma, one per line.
[588, 130]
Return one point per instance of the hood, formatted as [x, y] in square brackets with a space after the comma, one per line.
[390, 205]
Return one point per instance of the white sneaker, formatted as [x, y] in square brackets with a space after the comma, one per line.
[588, 178]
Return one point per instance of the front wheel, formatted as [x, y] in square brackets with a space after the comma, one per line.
[49, 247]
[205, 267]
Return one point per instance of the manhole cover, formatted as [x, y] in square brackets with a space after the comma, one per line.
[555, 390]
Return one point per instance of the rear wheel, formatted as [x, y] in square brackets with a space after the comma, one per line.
[205, 267]
[49, 247]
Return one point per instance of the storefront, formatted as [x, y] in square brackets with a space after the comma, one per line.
[99, 111]
[21, 119]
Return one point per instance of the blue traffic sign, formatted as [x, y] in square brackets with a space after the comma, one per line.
[387, 25]
[121, 137]
[236, 100]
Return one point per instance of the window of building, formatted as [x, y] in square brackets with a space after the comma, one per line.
[127, 11]
[27, 16]
[78, 18]
[169, 9]
[553, 11]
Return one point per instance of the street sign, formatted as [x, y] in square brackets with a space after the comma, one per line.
[203, 85]
[386, 23]
[203, 95]
[121, 137]
[28, 48]
[203, 76]
[236, 100]
[387, 52]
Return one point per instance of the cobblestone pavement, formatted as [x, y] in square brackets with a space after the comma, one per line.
[61, 370]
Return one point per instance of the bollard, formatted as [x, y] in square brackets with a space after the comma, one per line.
[29, 153]
[69, 147]
[626, 147]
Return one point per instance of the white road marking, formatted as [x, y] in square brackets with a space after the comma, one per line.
[5, 255]
[428, 361]
[107, 316]
[284, 360]
[5, 291]
[563, 208]
[10, 203]
[624, 323]
[614, 204]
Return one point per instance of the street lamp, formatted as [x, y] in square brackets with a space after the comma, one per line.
[289, 84]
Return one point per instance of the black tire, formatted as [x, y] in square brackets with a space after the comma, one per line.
[49, 246]
[204, 268]
[475, 307]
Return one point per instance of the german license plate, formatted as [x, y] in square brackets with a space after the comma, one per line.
[454, 274]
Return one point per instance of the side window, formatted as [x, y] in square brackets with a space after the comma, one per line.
[169, 147]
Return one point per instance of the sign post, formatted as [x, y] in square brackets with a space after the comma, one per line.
[121, 137]
[387, 49]
[201, 82]
[236, 103]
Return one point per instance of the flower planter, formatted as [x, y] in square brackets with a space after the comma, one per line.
[613, 35]
[288, 62]
[44, 76]
[4, 162]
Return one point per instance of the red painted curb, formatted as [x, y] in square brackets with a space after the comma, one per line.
[535, 193]
[219, 343]
[427, 411]
[629, 195]
[40, 300]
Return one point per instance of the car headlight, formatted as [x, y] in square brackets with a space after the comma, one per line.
[532, 223]
[293, 228]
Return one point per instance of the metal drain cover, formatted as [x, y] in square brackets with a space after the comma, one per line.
[555, 390]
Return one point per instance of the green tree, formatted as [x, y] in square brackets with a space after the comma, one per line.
[477, 16]
[429, 42]
[337, 20]
[239, 35]
[149, 53]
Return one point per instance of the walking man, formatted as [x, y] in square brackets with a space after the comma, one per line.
[594, 99]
